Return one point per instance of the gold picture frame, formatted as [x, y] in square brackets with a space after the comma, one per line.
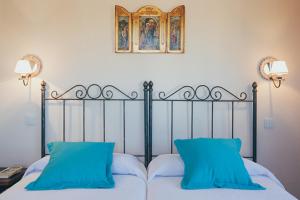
[123, 30]
[176, 30]
[149, 30]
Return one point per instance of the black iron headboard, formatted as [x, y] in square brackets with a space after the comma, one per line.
[190, 95]
[83, 94]
[212, 96]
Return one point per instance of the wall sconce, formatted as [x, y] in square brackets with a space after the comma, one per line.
[29, 66]
[274, 70]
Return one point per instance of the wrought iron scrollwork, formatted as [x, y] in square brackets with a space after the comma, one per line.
[215, 93]
[98, 87]
[83, 92]
[188, 93]
[108, 93]
[197, 92]
[80, 92]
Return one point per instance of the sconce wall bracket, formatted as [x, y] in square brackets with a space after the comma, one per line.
[34, 60]
[264, 66]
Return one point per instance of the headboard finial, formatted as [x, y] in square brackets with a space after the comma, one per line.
[150, 84]
[43, 84]
[145, 85]
[254, 85]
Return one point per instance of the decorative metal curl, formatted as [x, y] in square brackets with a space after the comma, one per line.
[189, 94]
[80, 93]
[206, 88]
[215, 93]
[108, 93]
[98, 87]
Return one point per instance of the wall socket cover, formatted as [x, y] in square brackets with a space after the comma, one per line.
[268, 123]
[30, 119]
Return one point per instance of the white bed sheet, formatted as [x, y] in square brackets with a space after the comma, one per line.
[162, 188]
[127, 187]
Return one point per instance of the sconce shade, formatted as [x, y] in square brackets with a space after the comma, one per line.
[23, 67]
[279, 69]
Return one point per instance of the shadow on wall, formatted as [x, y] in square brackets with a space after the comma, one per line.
[20, 123]
[282, 140]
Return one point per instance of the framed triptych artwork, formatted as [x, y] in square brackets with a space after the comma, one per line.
[149, 30]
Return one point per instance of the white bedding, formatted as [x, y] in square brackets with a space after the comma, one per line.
[164, 176]
[127, 187]
[165, 173]
[129, 176]
[162, 188]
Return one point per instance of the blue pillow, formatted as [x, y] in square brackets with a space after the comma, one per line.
[213, 163]
[76, 165]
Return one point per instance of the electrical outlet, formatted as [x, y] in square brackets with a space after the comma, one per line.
[268, 123]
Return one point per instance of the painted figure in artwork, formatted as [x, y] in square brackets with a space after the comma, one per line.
[175, 33]
[123, 33]
[149, 33]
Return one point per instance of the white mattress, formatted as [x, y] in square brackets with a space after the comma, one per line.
[127, 187]
[162, 188]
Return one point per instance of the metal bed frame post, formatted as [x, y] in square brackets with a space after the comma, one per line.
[148, 89]
[150, 122]
[43, 124]
[254, 91]
[146, 120]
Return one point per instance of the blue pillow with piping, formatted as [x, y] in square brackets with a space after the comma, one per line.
[214, 163]
[76, 165]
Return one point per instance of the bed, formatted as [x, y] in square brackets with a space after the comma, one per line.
[92, 103]
[166, 168]
[129, 175]
[165, 173]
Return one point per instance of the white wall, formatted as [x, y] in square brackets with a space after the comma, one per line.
[224, 42]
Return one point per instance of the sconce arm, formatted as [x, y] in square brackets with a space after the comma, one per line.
[279, 80]
[25, 79]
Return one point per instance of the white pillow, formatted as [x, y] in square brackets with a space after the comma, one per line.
[126, 164]
[255, 169]
[171, 165]
[167, 165]
[123, 164]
